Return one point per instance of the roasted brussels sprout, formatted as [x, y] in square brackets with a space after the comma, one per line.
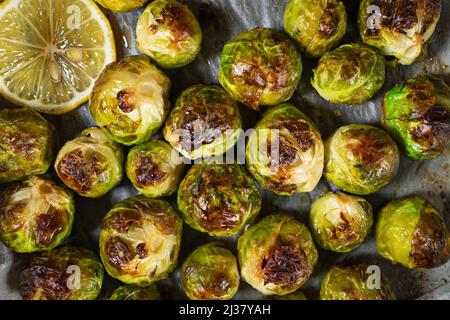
[35, 215]
[154, 168]
[277, 255]
[205, 122]
[90, 164]
[169, 33]
[340, 222]
[65, 273]
[134, 292]
[350, 74]
[285, 153]
[218, 198]
[121, 5]
[297, 295]
[352, 282]
[360, 159]
[412, 232]
[130, 100]
[260, 67]
[417, 114]
[210, 272]
[399, 28]
[26, 144]
[317, 25]
[140, 240]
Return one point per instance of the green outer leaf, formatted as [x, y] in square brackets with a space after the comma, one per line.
[228, 188]
[27, 143]
[302, 19]
[402, 112]
[207, 270]
[350, 74]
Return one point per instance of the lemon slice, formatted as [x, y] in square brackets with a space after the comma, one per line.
[52, 51]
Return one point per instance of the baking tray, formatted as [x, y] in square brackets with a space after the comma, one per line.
[221, 20]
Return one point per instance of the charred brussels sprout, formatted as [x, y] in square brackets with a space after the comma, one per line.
[317, 25]
[169, 33]
[121, 5]
[350, 74]
[140, 240]
[219, 199]
[417, 114]
[285, 153]
[154, 168]
[205, 122]
[340, 222]
[260, 67]
[360, 159]
[26, 144]
[210, 272]
[399, 28]
[90, 164]
[277, 255]
[65, 273]
[412, 232]
[134, 292]
[355, 282]
[298, 295]
[130, 100]
[35, 215]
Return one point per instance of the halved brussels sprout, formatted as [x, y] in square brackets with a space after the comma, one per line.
[297, 295]
[169, 33]
[285, 153]
[360, 159]
[90, 164]
[140, 240]
[134, 292]
[353, 282]
[412, 232]
[35, 215]
[210, 272]
[218, 198]
[417, 114]
[65, 273]
[277, 255]
[317, 25]
[399, 28]
[260, 67]
[121, 5]
[130, 100]
[205, 122]
[26, 144]
[350, 74]
[154, 168]
[340, 222]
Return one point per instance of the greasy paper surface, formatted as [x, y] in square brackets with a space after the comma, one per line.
[221, 20]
